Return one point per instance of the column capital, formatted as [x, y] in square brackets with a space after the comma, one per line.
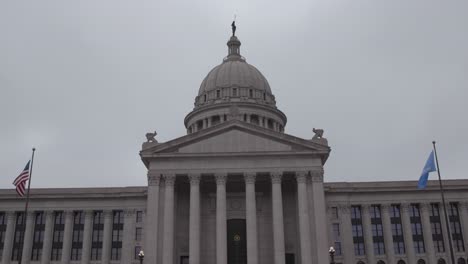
[220, 178]
[424, 207]
[49, 214]
[344, 209]
[385, 207]
[10, 214]
[317, 175]
[276, 177]
[169, 180]
[88, 213]
[463, 205]
[154, 179]
[194, 179]
[365, 207]
[405, 207]
[129, 212]
[301, 176]
[250, 177]
[107, 213]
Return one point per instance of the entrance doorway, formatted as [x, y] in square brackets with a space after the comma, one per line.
[236, 241]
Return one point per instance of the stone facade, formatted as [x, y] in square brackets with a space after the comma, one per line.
[236, 189]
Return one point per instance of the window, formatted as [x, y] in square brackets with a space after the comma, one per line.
[98, 228]
[136, 252]
[218, 94]
[416, 228]
[77, 235]
[264, 97]
[250, 93]
[334, 212]
[455, 227]
[461, 261]
[139, 216]
[19, 229]
[38, 238]
[336, 238]
[117, 230]
[421, 261]
[358, 237]
[3, 224]
[377, 230]
[204, 98]
[184, 259]
[397, 231]
[436, 227]
[289, 258]
[401, 262]
[138, 233]
[234, 92]
[57, 237]
[441, 261]
[380, 262]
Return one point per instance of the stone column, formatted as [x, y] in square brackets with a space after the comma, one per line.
[9, 234]
[303, 215]
[387, 232]
[251, 218]
[319, 217]
[407, 233]
[168, 234]
[128, 236]
[28, 238]
[221, 228]
[151, 235]
[367, 228]
[345, 221]
[194, 221]
[87, 233]
[107, 237]
[427, 233]
[48, 233]
[445, 232]
[278, 225]
[67, 237]
[464, 222]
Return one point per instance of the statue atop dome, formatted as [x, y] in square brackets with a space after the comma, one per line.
[233, 26]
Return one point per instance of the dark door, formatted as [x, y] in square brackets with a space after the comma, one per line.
[236, 241]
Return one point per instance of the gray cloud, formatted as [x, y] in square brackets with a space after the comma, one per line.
[84, 81]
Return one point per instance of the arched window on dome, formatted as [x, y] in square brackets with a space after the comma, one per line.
[441, 261]
[204, 98]
[215, 120]
[199, 125]
[360, 262]
[401, 262]
[218, 93]
[380, 262]
[270, 124]
[254, 120]
[421, 261]
[234, 92]
[264, 96]
[251, 93]
[461, 261]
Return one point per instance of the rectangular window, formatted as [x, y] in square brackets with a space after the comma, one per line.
[218, 94]
[77, 236]
[334, 212]
[117, 230]
[416, 228]
[98, 229]
[336, 238]
[139, 216]
[57, 236]
[455, 227]
[38, 238]
[184, 259]
[397, 231]
[3, 224]
[138, 233]
[436, 227]
[136, 252]
[250, 93]
[19, 229]
[358, 236]
[234, 92]
[377, 230]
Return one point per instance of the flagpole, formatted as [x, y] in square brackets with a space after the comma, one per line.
[443, 203]
[26, 206]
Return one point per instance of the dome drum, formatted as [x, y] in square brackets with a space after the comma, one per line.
[235, 94]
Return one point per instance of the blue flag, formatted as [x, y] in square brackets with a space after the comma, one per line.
[429, 167]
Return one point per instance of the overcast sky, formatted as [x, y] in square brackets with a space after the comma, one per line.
[83, 81]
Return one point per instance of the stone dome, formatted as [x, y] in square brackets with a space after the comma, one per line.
[235, 90]
[234, 73]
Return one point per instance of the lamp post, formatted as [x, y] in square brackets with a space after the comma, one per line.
[332, 251]
[141, 256]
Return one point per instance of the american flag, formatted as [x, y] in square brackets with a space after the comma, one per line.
[20, 181]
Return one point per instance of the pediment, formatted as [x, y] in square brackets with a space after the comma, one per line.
[235, 137]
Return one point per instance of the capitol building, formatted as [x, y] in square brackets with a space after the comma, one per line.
[237, 189]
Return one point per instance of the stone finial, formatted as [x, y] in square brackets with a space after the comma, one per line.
[150, 137]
